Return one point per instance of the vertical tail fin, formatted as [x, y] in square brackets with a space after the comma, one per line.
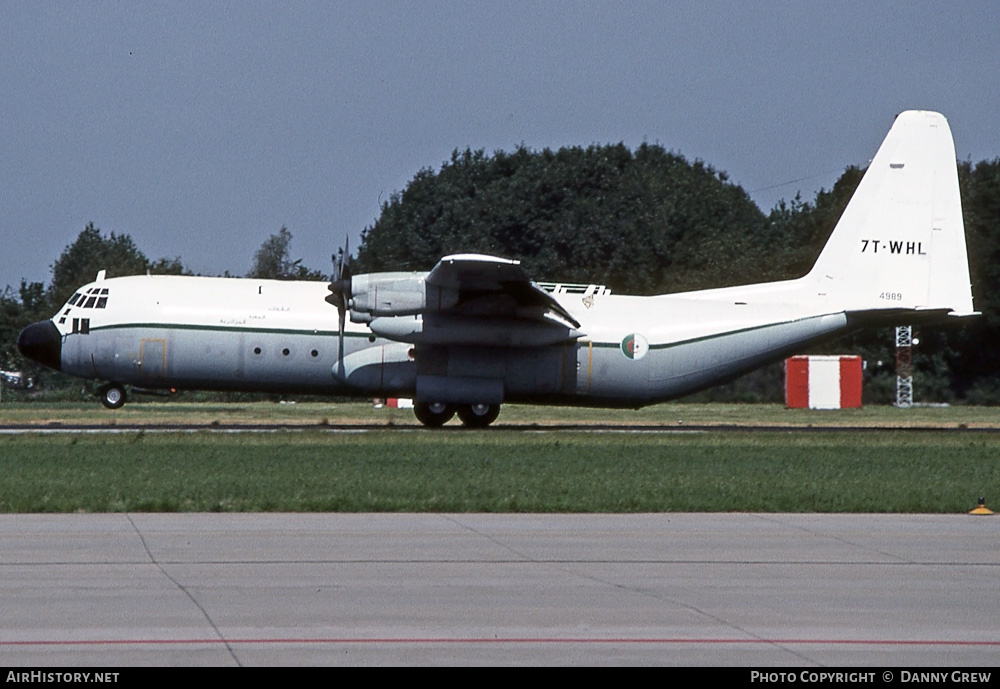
[900, 243]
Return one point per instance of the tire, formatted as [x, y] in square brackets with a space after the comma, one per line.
[112, 396]
[433, 414]
[478, 415]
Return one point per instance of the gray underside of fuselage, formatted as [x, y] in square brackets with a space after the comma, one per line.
[581, 372]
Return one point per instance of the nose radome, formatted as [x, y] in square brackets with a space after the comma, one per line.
[41, 342]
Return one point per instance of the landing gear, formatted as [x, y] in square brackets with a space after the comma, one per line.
[478, 415]
[436, 414]
[433, 414]
[112, 395]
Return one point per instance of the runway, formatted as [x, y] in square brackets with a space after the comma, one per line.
[482, 589]
[340, 428]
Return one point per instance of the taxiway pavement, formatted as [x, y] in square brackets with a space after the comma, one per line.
[479, 589]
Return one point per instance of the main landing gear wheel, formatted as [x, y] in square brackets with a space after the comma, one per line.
[433, 414]
[478, 415]
[112, 395]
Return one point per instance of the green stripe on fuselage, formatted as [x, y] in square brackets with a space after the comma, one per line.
[228, 328]
[714, 336]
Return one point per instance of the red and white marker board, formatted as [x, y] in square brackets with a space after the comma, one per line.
[823, 382]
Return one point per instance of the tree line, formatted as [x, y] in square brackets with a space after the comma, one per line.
[642, 221]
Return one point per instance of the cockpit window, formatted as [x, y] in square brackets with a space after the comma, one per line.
[93, 298]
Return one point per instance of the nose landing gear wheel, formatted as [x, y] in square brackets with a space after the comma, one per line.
[433, 414]
[112, 395]
[478, 415]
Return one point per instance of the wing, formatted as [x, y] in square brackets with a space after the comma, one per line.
[466, 300]
[491, 286]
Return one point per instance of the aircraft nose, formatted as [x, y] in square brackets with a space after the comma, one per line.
[41, 342]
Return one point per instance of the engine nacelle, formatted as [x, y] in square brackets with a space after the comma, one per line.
[397, 294]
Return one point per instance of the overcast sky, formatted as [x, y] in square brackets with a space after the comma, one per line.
[200, 128]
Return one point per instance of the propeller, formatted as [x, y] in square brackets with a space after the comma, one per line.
[340, 296]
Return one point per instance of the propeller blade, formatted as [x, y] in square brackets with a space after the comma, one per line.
[340, 296]
[340, 344]
[345, 260]
[340, 286]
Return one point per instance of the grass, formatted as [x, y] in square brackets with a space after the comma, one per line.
[398, 469]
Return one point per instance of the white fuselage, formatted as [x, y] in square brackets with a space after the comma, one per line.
[244, 334]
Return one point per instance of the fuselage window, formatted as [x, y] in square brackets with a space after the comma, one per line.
[256, 350]
[314, 353]
[285, 351]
